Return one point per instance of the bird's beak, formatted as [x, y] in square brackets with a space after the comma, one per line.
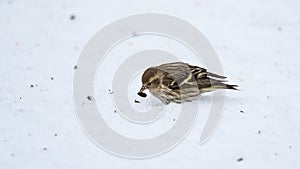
[141, 93]
[143, 88]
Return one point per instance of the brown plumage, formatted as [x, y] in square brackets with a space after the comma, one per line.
[179, 82]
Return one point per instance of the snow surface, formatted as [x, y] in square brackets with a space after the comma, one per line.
[258, 45]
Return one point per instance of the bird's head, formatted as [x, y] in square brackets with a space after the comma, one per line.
[151, 79]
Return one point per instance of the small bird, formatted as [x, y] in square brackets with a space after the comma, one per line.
[180, 82]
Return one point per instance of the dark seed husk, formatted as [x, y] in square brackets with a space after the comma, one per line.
[142, 94]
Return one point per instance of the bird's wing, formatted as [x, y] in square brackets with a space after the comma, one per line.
[209, 81]
[201, 73]
[178, 74]
[175, 74]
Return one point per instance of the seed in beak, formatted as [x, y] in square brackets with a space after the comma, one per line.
[142, 94]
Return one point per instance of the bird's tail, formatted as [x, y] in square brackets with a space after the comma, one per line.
[233, 87]
[217, 84]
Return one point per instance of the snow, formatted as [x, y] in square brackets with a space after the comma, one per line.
[257, 43]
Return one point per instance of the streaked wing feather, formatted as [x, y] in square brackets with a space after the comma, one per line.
[200, 72]
[175, 74]
[182, 76]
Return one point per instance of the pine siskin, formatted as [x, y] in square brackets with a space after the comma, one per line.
[180, 82]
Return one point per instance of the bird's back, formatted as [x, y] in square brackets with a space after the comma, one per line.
[187, 81]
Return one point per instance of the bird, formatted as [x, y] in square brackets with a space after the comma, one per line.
[180, 82]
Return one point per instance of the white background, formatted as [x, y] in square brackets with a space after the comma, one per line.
[257, 42]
